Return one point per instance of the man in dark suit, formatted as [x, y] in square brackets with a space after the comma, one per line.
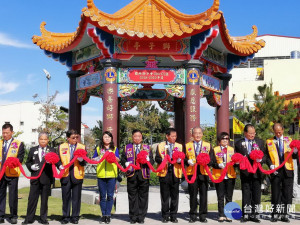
[169, 177]
[137, 180]
[42, 185]
[10, 147]
[251, 183]
[282, 180]
[71, 182]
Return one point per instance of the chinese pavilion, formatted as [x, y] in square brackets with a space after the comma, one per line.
[119, 57]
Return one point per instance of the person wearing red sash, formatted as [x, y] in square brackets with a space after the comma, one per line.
[71, 182]
[282, 180]
[251, 183]
[169, 177]
[137, 180]
[106, 175]
[10, 147]
[42, 185]
[192, 150]
[222, 155]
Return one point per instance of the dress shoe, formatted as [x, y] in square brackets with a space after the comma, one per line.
[132, 221]
[103, 219]
[2, 220]
[285, 219]
[203, 220]
[192, 220]
[14, 221]
[255, 219]
[174, 220]
[64, 221]
[25, 222]
[274, 218]
[141, 221]
[74, 221]
[43, 222]
[107, 220]
[164, 219]
[244, 219]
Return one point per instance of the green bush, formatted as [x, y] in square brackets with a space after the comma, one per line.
[154, 181]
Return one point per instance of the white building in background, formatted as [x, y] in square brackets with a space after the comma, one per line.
[26, 118]
[278, 62]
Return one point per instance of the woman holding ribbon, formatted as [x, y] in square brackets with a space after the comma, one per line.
[106, 174]
[222, 155]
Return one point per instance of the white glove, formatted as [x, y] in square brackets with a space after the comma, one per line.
[80, 159]
[272, 167]
[127, 164]
[221, 165]
[258, 160]
[147, 158]
[61, 167]
[178, 160]
[191, 162]
[35, 167]
[295, 150]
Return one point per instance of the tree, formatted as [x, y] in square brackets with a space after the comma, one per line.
[269, 108]
[54, 120]
[149, 120]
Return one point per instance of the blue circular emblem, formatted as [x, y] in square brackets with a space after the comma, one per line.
[232, 210]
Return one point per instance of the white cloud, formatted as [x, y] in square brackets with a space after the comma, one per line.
[6, 40]
[7, 87]
[62, 97]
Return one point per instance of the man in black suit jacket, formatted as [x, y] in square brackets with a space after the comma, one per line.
[10, 147]
[282, 180]
[251, 183]
[42, 185]
[71, 182]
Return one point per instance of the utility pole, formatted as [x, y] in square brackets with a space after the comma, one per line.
[48, 77]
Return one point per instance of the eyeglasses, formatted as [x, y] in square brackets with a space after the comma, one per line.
[225, 139]
[74, 137]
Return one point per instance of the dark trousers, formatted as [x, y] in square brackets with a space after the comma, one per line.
[169, 190]
[71, 193]
[281, 192]
[106, 188]
[224, 191]
[199, 186]
[35, 191]
[251, 195]
[13, 196]
[138, 193]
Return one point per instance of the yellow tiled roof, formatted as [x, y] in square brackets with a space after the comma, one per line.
[148, 19]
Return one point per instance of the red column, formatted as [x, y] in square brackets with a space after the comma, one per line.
[110, 99]
[74, 107]
[223, 110]
[192, 103]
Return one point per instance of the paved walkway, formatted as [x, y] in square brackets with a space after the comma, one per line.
[153, 216]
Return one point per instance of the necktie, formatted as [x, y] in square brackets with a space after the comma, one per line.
[72, 151]
[137, 150]
[5, 147]
[197, 149]
[43, 153]
[249, 146]
[171, 150]
[280, 147]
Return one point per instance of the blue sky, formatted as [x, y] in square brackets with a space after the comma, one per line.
[21, 63]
